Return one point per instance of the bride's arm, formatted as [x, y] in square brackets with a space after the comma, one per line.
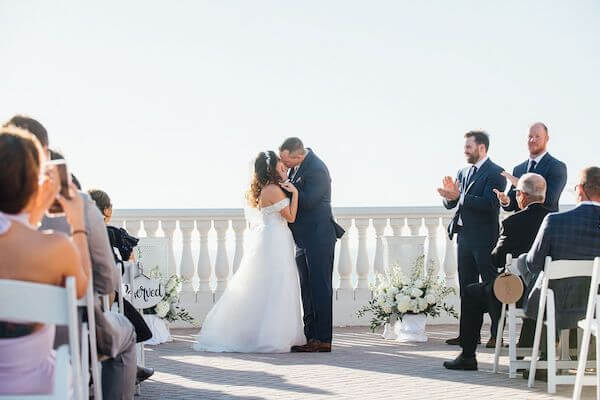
[289, 213]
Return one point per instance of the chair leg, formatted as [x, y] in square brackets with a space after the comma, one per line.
[85, 364]
[551, 351]
[597, 368]
[499, 338]
[535, 352]
[512, 342]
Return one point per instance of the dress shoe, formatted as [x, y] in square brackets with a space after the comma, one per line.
[313, 346]
[540, 375]
[143, 374]
[456, 341]
[462, 363]
[491, 344]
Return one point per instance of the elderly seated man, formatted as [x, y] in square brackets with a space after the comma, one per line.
[516, 237]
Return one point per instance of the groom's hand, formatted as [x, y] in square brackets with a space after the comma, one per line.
[449, 190]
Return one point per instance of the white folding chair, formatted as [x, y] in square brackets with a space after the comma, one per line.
[510, 313]
[88, 345]
[559, 269]
[51, 305]
[590, 327]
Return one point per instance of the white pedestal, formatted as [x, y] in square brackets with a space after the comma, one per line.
[402, 251]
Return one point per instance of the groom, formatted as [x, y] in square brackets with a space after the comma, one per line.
[315, 233]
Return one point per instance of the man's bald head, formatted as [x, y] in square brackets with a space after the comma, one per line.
[537, 139]
[532, 188]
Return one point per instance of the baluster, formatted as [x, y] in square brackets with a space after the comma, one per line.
[414, 224]
[397, 224]
[379, 224]
[221, 261]
[362, 257]
[204, 297]
[449, 263]
[187, 262]
[168, 227]
[239, 226]
[431, 255]
[133, 226]
[344, 262]
[151, 226]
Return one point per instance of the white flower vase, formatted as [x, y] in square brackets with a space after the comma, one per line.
[390, 329]
[412, 328]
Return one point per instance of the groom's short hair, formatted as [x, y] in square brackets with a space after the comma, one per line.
[292, 145]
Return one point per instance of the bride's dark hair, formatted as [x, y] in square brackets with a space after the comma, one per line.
[265, 172]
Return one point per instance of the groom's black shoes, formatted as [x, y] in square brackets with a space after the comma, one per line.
[313, 346]
[462, 363]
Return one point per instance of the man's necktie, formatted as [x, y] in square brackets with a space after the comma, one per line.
[472, 172]
[532, 165]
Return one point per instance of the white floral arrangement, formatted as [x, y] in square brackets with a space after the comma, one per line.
[396, 294]
[168, 307]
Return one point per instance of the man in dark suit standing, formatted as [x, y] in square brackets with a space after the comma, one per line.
[315, 233]
[569, 235]
[542, 163]
[516, 237]
[476, 219]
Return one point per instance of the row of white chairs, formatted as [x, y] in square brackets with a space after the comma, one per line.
[58, 306]
[553, 270]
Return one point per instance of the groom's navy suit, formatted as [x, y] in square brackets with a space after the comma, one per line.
[315, 233]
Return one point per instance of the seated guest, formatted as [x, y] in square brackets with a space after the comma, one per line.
[26, 358]
[516, 237]
[115, 335]
[569, 235]
[124, 243]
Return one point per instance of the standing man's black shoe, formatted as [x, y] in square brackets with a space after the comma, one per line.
[462, 363]
[454, 341]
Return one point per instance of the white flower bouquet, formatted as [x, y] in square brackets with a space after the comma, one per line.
[168, 308]
[396, 294]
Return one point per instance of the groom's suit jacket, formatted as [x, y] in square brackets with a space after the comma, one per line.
[314, 221]
[555, 173]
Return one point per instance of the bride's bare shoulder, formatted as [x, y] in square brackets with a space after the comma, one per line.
[271, 194]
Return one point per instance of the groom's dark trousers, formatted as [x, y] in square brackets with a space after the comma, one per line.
[315, 234]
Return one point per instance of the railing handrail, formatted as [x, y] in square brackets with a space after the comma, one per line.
[238, 213]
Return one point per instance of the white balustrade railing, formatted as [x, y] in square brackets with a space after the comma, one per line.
[218, 237]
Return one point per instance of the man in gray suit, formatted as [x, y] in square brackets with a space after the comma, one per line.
[569, 235]
[115, 335]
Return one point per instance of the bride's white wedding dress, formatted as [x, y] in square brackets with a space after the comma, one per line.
[260, 310]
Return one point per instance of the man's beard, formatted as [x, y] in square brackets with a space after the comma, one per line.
[473, 157]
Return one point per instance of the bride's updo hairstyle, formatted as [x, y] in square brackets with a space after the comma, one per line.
[20, 163]
[265, 172]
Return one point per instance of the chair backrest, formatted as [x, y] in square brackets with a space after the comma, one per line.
[561, 269]
[593, 296]
[51, 305]
[511, 264]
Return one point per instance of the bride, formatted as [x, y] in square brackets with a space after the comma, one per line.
[260, 310]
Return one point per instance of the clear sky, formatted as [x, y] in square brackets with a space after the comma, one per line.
[164, 104]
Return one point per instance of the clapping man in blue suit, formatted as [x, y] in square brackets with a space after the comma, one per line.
[477, 218]
[541, 163]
